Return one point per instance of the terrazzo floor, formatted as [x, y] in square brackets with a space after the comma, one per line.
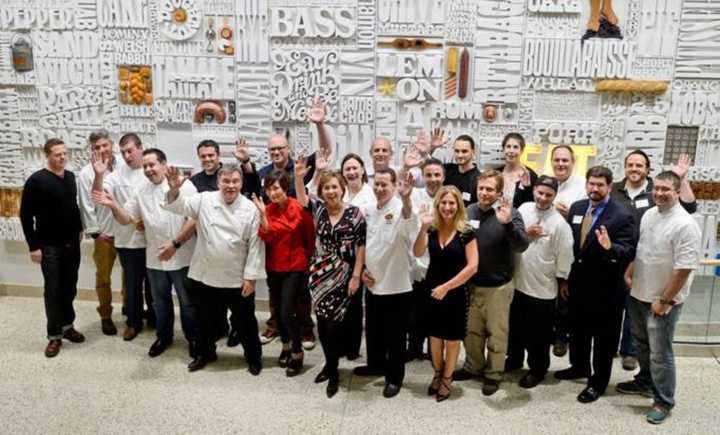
[108, 386]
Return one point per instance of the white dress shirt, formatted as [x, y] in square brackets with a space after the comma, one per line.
[228, 248]
[124, 183]
[161, 226]
[571, 190]
[389, 239]
[548, 257]
[363, 199]
[95, 218]
[668, 240]
[419, 265]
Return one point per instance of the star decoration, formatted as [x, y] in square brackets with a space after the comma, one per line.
[386, 87]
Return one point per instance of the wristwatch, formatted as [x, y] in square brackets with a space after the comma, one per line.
[176, 244]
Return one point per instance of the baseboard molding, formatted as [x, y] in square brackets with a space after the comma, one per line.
[85, 294]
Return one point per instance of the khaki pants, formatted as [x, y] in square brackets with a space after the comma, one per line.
[104, 255]
[488, 319]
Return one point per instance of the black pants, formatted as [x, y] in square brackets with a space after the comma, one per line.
[59, 267]
[354, 324]
[332, 336]
[303, 310]
[562, 320]
[531, 330]
[133, 264]
[285, 288]
[206, 300]
[598, 331]
[417, 332]
[385, 329]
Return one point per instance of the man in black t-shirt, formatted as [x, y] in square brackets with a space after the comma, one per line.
[51, 222]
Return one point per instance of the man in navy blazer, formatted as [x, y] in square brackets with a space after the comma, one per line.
[604, 245]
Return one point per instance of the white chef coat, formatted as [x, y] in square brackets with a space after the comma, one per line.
[389, 239]
[547, 257]
[668, 240]
[419, 265]
[95, 218]
[228, 248]
[571, 190]
[161, 225]
[364, 198]
[124, 183]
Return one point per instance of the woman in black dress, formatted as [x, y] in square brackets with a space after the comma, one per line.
[453, 250]
[336, 266]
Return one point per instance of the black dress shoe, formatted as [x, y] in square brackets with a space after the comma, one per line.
[530, 380]
[368, 371]
[589, 394]
[233, 338]
[463, 375]
[571, 373]
[255, 368]
[490, 387]
[201, 361]
[157, 348]
[391, 390]
[321, 377]
[73, 336]
[108, 327]
[332, 386]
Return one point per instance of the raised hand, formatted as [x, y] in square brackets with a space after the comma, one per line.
[504, 212]
[406, 184]
[412, 157]
[682, 166]
[242, 151]
[259, 203]
[175, 178]
[422, 142]
[562, 208]
[525, 177]
[603, 237]
[438, 139]
[100, 163]
[103, 198]
[535, 231]
[322, 160]
[301, 167]
[316, 112]
[426, 216]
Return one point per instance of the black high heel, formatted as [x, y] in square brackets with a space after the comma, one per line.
[443, 383]
[432, 388]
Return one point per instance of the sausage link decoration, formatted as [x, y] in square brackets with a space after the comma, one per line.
[464, 71]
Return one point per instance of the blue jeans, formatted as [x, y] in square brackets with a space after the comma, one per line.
[627, 344]
[654, 337]
[133, 264]
[161, 284]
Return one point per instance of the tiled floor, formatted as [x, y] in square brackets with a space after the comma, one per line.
[109, 386]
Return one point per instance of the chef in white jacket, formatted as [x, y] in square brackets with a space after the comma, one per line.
[229, 258]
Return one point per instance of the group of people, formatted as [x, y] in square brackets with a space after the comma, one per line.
[502, 262]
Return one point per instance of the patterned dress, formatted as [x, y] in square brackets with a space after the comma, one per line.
[332, 265]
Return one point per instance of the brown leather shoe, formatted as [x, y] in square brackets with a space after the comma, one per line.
[73, 336]
[53, 348]
[130, 333]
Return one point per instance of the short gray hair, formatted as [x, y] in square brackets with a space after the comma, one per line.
[229, 168]
[98, 134]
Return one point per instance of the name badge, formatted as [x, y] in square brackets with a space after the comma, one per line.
[577, 219]
[465, 196]
[475, 223]
[642, 203]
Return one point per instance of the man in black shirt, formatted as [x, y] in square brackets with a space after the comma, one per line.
[51, 222]
[464, 172]
[500, 232]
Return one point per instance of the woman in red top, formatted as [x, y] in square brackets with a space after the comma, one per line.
[289, 235]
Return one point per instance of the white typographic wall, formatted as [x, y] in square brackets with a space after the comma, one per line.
[180, 71]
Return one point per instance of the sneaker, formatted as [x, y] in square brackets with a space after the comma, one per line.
[632, 387]
[560, 348]
[308, 341]
[629, 363]
[268, 336]
[657, 414]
